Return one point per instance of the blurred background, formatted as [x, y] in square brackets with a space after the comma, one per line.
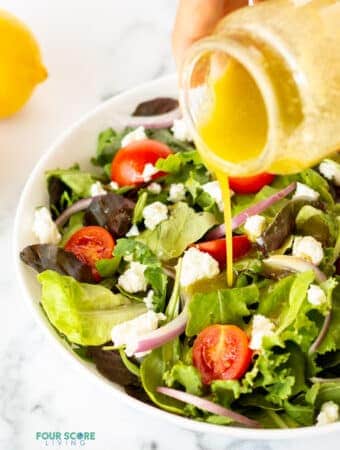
[92, 50]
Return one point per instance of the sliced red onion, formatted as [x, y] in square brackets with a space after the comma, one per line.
[294, 264]
[158, 337]
[259, 207]
[322, 334]
[324, 380]
[80, 205]
[160, 121]
[208, 405]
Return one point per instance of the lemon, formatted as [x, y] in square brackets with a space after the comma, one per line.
[21, 68]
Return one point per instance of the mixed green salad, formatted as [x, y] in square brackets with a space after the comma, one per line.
[131, 260]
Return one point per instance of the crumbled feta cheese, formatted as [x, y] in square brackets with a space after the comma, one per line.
[262, 326]
[114, 185]
[329, 413]
[136, 135]
[330, 170]
[176, 192]
[133, 231]
[128, 333]
[154, 214]
[254, 226]
[97, 189]
[133, 279]
[149, 171]
[197, 265]
[180, 130]
[214, 190]
[44, 228]
[315, 295]
[308, 248]
[148, 299]
[304, 191]
[154, 188]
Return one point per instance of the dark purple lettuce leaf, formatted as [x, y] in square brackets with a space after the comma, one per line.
[156, 106]
[282, 226]
[110, 365]
[111, 211]
[47, 256]
[56, 190]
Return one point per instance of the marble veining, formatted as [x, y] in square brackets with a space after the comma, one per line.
[93, 50]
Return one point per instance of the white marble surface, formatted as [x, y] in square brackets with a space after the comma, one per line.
[92, 49]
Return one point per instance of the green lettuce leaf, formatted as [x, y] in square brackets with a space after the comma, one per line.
[171, 237]
[108, 143]
[280, 372]
[78, 181]
[139, 207]
[224, 306]
[328, 392]
[285, 303]
[324, 227]
[314, 180]
[331, 342]
[107, 267]
[166, 136]
[84, 313]
[184, 375]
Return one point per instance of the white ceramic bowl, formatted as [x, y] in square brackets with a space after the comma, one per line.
[77, 145]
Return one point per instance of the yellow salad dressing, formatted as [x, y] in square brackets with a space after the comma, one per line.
[236, 101]
[235, 127]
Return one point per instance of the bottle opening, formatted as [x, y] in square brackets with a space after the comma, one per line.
[227, 110]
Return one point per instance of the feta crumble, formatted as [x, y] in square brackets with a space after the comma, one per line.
[114, 185]
[180, 130]
[149, 171]
[262, 326]
[127, 333]
[136, 135]
[176, 192]
[308, 248]
[44, 227]
[214, 190]
[133, 231]
[254, 226]
[154, 188]
[133, 279]
[329, 413]
[197, 265]
[315, 295]
[304, 191]
[330, 170]
[148, 299]
[154, 214]
[97, 189]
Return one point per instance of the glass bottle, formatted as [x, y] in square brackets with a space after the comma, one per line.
[290, 50]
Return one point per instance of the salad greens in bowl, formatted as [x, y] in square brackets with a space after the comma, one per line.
[120, 247]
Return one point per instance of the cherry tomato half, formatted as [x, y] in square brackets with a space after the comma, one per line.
[250, 185]
[217, 248]
[89, 245]
[128, 165]
[221, 352]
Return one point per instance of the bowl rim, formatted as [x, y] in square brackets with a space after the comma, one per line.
[95, 377]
